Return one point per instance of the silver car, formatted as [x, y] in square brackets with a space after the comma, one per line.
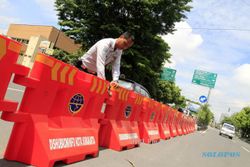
[228, 130]
[132, 85]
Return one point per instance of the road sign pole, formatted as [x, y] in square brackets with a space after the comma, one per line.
[208, 95]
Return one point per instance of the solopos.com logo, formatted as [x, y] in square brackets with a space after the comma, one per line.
[128, 111]
[76, 103]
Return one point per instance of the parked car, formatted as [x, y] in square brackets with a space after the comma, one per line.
[201, 127]
[132, 85]
[228, 130]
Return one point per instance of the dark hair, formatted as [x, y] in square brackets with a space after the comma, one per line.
[128, 35]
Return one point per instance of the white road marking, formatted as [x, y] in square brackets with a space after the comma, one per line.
[17, 90]
[204, 131]
[245, 148]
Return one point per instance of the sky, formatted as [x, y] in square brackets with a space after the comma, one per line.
[221, 46]
[215, 37]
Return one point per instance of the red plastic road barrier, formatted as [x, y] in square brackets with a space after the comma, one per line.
[172, 127]
[167, 122]
[58, 116]
[170, 121]
[162, 122]
[184, 125]
[188, 125]
[178, 123]
[119, 130]
[9, 52]
[149, 130]
[192, 124]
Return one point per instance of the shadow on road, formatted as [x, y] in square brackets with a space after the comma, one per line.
[5, 163]
[61, 163]
[245, 140]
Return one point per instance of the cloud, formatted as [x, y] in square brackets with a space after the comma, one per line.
[5, 21]
[39, 12]
[48, 6]
[183, 43]
[241, 75]
[4, 4]
[233, 90]
[6, 17]
[2, 31]
[218, 14]
[213, 52]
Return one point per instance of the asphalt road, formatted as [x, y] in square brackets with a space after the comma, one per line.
[189, 151]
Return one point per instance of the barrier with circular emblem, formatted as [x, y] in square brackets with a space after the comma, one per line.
[148, 124]
[57, 120]
[119, 129]
[163, 122]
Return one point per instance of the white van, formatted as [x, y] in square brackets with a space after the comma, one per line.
[228, 130]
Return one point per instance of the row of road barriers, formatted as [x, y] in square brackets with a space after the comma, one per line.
[66, 114]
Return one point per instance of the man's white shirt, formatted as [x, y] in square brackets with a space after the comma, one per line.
[101, 54]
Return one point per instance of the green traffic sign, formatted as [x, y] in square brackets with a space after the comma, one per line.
[204, 78]
[168, 74]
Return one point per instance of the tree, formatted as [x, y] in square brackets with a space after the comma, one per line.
[205, 116]
[67, 57]
[228, 120]
[170, 93]
[87, 21]
[241, 121]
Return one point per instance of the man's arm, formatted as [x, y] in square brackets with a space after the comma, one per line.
[116, 68]
[100, 61]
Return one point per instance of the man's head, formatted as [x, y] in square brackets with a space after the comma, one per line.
[125, 41]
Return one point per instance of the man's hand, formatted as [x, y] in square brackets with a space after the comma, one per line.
[114, 84]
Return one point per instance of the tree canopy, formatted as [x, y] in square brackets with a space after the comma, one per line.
[170, 93]
[241, 121]
[205, 116]
[88, 21]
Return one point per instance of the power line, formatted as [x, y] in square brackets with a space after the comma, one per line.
[213, 29]
[247, 3]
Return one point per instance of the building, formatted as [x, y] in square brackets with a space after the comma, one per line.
[23, 32]
[35, 37]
